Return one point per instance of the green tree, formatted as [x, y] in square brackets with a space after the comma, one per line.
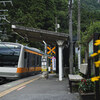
[62, 14]
[49, 15]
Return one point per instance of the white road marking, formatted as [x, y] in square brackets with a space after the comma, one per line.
[20, 88]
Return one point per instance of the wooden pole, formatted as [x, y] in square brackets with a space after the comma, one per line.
[71, 37]
[78, 35]
[96, 36]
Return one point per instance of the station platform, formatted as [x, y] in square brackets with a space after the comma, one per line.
[37, 88]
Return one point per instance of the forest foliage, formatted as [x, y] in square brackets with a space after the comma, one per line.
[42, 13]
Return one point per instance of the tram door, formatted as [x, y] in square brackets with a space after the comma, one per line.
[35, 64]
[26, 60]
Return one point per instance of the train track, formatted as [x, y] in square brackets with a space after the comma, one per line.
[4, 81]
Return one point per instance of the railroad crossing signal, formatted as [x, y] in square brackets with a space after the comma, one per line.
[51, 50]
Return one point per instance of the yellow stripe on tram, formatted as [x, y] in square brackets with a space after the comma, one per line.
[33, 52]
[30, 69]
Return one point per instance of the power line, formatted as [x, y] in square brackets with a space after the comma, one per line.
[4, 2]
[3, 16]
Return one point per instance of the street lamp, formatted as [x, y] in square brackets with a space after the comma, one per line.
[44, 61]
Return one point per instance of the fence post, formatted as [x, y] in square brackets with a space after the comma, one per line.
[96, 36]
[89, 67]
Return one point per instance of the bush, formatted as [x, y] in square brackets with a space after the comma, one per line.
[86, 86]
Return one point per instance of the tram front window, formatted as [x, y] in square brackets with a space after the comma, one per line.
[9, 55]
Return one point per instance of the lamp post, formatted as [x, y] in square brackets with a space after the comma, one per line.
[45, 73]
[45, 48]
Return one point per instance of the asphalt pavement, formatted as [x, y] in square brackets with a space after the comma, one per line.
[37, 88]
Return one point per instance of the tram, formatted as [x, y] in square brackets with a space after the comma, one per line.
[17, 60]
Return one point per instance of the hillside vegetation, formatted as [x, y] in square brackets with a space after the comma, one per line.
[41, 14]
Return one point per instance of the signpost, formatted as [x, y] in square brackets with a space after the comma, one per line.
[44, 64]
[54, 63]
[90, 47]
[51, 51]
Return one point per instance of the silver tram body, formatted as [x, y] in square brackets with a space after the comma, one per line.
[17, 60]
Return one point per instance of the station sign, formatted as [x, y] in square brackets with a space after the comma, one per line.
[90, 47]
[54, 63]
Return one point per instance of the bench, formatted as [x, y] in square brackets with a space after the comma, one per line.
[77, 78]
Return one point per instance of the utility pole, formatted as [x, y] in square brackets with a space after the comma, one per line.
[55, 24]
[71, 37]
[78, 36]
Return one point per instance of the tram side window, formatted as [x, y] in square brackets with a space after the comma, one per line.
[31, 60]
[25, 55]
[25, 59]
[38, 61]
[34, 60]
[9, 55]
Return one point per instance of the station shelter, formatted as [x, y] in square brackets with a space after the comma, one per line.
[59, 40]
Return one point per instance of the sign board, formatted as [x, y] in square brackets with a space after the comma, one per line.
[90, 47]
[54, 63]
[44, 63]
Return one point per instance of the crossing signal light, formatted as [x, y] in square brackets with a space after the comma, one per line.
[51, 50]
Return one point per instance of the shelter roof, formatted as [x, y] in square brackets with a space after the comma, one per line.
[33, 34]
